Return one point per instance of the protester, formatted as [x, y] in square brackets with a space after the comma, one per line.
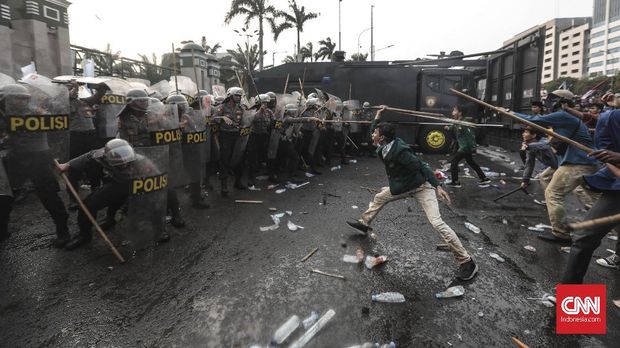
[536, 149]
[465, 144]
[410, 177]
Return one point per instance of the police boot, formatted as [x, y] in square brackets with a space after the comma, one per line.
[78, 241]
[62, 235]
[224, 187]
[177, 221]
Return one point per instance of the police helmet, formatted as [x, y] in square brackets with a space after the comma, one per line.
[557, 97]
[219, 100]
[366, 105]
[271, 95]
[312, 102]
[290, 108]
[176, 99]
[118, 152]
[264, 98]
[137, 99]
[234, 91]
[156, 94]
[14, 90]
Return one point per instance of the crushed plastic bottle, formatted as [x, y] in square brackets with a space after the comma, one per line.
[353, 161]
[371, 262]
[472, 227]
[310, 320]
[284, 331]
[565, 249]
[336, 168]
[350, 259]
[388, 297]
[497, 257]
[530, 248]
[359, 253]
[279, 191]
[313, 330]
[454, 291]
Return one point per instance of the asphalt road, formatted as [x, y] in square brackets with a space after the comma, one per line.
[220, 282]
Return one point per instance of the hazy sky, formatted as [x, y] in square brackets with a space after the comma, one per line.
[415, 28]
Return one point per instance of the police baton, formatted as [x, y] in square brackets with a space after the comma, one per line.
[88, 214]
[511, 192]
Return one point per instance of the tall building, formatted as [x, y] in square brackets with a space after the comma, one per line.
[35, 31]
[566, 47]
[605, 38]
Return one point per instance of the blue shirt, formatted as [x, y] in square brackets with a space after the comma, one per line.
[564, 124]
[607, 137]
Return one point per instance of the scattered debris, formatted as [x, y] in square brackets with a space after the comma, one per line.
[353, 161]
[546, 299]
[373, 236]
[354, 206]
[502, 182]
[612, 237]
[617, 303]
[310, 254]
[519, 343]
[336, 168]
[293, 186]
[496, 257]
[243, 201]
[388, 297]
[536, 229]
[310, 320]
[253, 188]
[273, 209]
[480, 314]
[565, 249]
[293, 227]
[539, 202]
[110, 268]
[313, 330]
[505, 222]
[309, 175]
[331, 195]
[472, 227]
[454, 291]
[284, 331]
[271, 187]
[279, 191]
[359, 253]
[276, 223]
[530, 248]
[371, 262]
[543, 226]
[350, 259]
[327, 274]
[289, 212]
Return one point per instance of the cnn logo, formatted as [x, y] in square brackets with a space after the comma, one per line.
[581, 309]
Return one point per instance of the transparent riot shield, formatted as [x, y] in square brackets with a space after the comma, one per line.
[163, 127]
[145, 221]
[194, 145]
[351, 111]
[277, 131]
[245, 129]
[108, 108]
[5, 186]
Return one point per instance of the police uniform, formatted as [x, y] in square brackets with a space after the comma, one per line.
[228, 136]
[259, 142]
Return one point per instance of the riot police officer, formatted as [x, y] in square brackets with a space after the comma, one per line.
[310, 135]
[259, 137]
[363, 138]
[228, 115]
[29, 155]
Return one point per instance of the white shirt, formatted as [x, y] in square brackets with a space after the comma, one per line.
[386, 148]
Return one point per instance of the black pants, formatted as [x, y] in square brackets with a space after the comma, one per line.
[227, 146]
[305, 145]
[454, 165]
[257, 148]
[37, 166]
[112, 195]
[586, 241]
[5, 212]
[288, 156]
[81, 143]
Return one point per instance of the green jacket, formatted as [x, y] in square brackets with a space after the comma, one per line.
[404, 169]
[465, 138]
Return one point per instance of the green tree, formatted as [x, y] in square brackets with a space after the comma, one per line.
[295, 19]
[326, 49]
[152, 69]
[208, 48]
[252, 9]
[358, 57]
[246, 60]
[307, 52]
[289, 59]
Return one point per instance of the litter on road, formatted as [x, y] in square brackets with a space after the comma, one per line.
[293, 227]
[565, 249]
[496, 257]
[388, 297]
[310, 320]
[284, 331]
[310, 254]
[313, 330]
[350, 258]
[371, 262]
[453, 291]
[530, 248]
[327, 274]
[279, 191]
[472, 227]
[243, 201]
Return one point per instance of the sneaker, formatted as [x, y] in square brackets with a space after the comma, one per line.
[359, 227]
[611, 261]
[485, 181]
[467, 270]
[454, 184]
[554, 236]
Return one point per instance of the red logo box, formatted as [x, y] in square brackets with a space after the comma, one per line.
[581, 309]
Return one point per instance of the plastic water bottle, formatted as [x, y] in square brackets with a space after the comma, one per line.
[389, 297]
[472, 227]
[454, 291]
[336, 168]
[374, 261]
[309, 321]
[285, 330]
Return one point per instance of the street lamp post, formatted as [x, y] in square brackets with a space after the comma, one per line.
[358, 39]
[384, 48]
[339, 28]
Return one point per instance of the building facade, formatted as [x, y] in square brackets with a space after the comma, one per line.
[565, 49]
[604, 54]
[35, 31]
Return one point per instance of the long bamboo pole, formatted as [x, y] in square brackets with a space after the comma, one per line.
[612, 219]
[89, 215]
[423, 115]
[286, 83]
[529, 123]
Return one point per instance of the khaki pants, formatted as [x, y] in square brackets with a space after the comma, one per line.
[585, 197]
[427, 198]
[566, 179]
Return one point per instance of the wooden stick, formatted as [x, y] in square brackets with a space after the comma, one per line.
[310, 254]
[327, 274]
[342, 121]
[612, 219]
[286, 84]
[432, 117]
[350, 87]
[89, 215]
[247, 202]
[519, 343]
[352, 142]
[301, 85]
[416, 111]
[174, 66]
[529, 123]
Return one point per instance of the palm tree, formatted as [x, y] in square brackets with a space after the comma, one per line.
[296, 19]
[208, 48]
[151, 69]
[289, 59]
[307, 52]
[358, 57]
[245, 60]
[326, 49]
[252, 9]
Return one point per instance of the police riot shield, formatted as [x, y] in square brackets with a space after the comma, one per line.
[5, 186]
[351, 111]
[322, 114]
[108, 108]
[277, 131]
[145, 221]
[163, 127]
[194, 145]
[32, 118]
[162, 87]
[245, 128]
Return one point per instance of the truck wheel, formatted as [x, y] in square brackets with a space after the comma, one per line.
[434, 140]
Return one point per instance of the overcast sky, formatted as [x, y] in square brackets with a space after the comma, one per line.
[416, 28]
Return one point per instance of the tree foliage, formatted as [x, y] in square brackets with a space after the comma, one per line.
[296, 18]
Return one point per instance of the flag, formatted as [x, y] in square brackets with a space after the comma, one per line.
[29, 69]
